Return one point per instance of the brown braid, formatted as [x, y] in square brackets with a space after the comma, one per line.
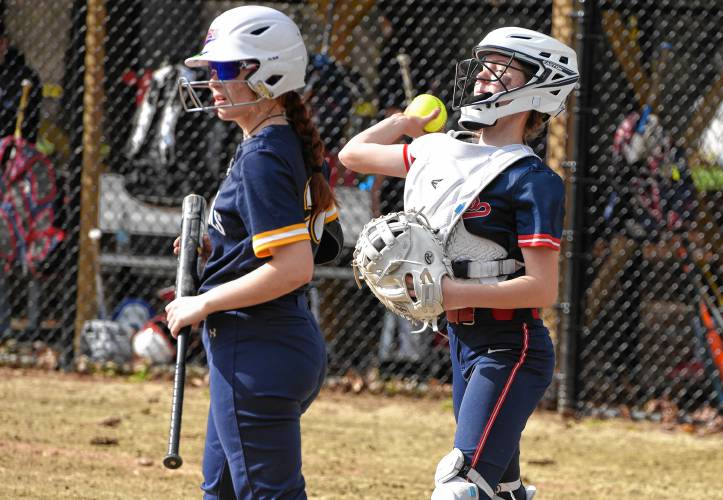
[322, 198]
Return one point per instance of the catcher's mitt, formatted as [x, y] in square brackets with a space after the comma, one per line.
[399, 252]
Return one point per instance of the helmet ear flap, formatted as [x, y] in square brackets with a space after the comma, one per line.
[262, 90]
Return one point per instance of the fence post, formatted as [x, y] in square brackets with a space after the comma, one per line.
[573, 235]
[86, 306]
[559, 150]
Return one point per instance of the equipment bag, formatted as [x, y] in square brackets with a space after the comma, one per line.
[27, 214]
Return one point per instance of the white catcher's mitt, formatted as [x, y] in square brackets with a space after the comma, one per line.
[395, 246]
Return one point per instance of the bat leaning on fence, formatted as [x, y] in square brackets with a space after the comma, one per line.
[709, 313]
[194, 208]
[18, 133]
[405, 68]
[26, 85]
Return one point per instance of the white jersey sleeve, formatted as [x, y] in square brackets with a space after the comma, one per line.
[421, 149]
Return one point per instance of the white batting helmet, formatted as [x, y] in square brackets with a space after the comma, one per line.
[553, 74]
[251, 34]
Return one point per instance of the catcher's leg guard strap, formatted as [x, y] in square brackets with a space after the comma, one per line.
[514, 491]
[511, 486]
[453, 466]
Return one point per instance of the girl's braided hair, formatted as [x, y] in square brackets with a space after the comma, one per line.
[297, 113]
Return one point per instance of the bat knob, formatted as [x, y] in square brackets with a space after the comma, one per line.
[172, 461]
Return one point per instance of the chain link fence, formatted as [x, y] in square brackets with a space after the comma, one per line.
[650, 330]
[91, 194]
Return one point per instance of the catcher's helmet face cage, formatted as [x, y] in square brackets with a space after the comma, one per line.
[550, 65]
[248, 36]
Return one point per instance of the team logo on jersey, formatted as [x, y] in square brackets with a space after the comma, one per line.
[428, 257]
[214, 218]
[215, 222]
[477, 209]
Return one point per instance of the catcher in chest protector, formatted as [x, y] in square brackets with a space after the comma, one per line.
[478, 240]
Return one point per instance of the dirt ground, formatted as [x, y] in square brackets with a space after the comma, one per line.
[82, 437]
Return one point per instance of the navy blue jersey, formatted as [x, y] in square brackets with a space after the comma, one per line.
[261, 204]
[524, 206]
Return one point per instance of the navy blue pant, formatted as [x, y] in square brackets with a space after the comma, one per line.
[265, 369]
[498, 378]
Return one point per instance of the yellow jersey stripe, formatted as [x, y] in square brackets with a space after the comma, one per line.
[279, 231]
[332, 216]
[262, 250]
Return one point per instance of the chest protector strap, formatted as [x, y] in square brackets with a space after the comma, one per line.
[468, 269]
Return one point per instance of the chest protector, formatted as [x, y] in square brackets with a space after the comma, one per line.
[446, 177]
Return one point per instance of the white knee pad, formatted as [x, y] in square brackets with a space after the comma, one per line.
[454, 480]
[456, 489]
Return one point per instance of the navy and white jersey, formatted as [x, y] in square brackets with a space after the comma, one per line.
[520, 206]
[263, 202]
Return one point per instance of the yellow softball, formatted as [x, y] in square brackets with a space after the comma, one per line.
[424, 104]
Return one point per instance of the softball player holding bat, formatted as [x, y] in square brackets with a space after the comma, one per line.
[266, 354]
[501, 193]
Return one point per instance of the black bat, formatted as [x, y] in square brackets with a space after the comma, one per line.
[194, 207]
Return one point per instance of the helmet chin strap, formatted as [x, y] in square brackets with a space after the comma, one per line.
[474, 99]
[475, 126]
[477, 116]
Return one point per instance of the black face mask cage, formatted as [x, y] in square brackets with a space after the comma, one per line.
[467, 70]
[464, 83]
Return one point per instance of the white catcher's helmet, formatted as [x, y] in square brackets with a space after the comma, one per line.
[553, 67]
[251, 34]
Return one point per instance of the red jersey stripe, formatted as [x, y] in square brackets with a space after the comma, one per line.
[538, 240]
[408, 159]
[539, 244]
[532, 236]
